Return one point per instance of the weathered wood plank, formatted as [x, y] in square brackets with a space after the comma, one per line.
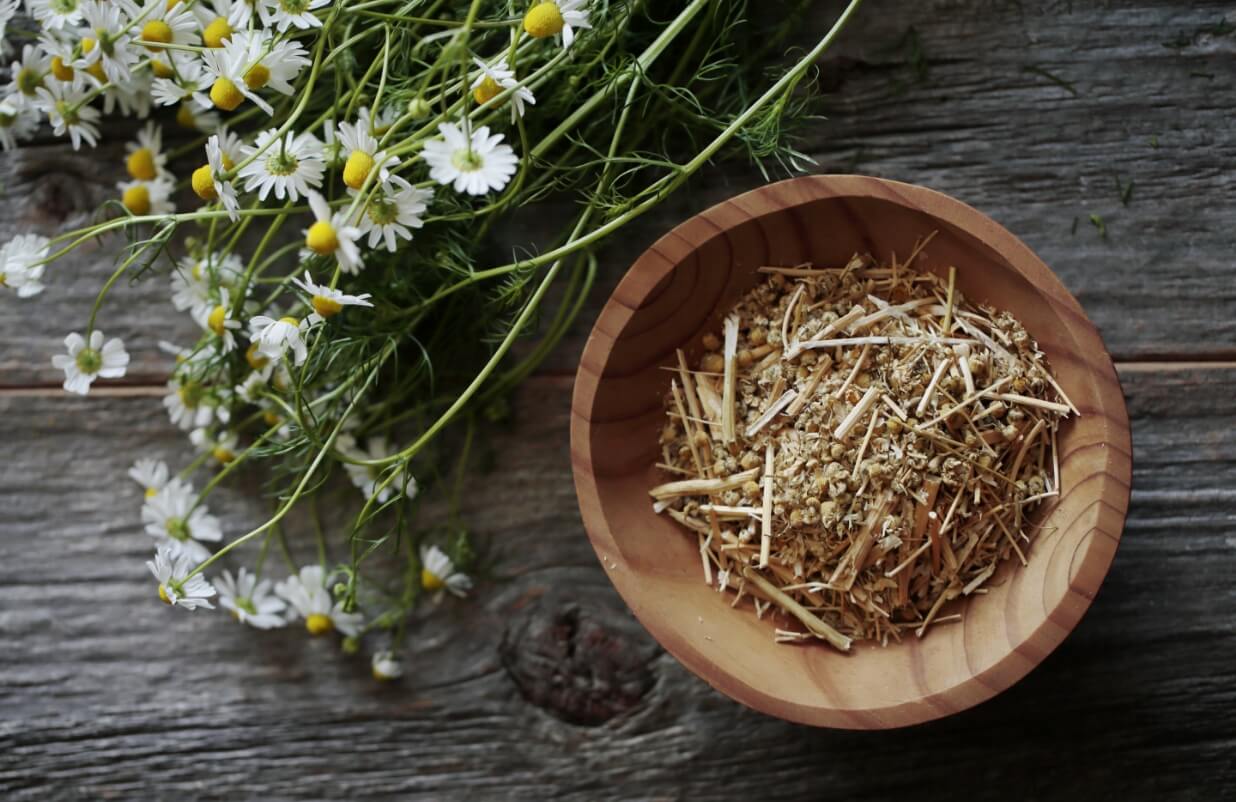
[959, 96]
[965, 103]
[48, 189]
[105, 692]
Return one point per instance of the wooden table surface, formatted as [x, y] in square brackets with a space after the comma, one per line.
[1037, 113]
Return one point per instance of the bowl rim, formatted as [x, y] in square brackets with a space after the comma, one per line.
[665, 255]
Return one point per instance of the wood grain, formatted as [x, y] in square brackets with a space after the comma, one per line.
[101, 696]
[106, 694]
[935, 92]
[681, 287]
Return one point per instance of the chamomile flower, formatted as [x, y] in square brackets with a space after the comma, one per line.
[147, 197]
[284, 14]
[287, 167]
[145, 159]
[190, 82]
[438, 573]
[87, 361]
[19, 264]
[386, 666]
[190, 405]
[219, 18]
[309, 598]
[28, 74]
[332, 235]
[393, 209]
[171, 516]
[159, 22]
[250, 600]
[250, 390]
[249, 61]
[475, 164]
[18, 122]
[171, 567]
[230, 146]
[188, 359]
[221, 447]
[66, 109]
[363, 155]
[150, 474]
[495, 78]
[219, 322]
[207, 181]
[379, 124]
[328, 302]
[275, 338]
[193, 279]
[55, 15]
[191, 117]
[558, 17]
[60, 54]
[369, 479]
[131, 99]
[106, 43]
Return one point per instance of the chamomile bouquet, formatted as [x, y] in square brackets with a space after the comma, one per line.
[316, 180]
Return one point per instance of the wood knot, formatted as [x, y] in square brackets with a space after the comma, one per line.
[583, 666]
[56, 188]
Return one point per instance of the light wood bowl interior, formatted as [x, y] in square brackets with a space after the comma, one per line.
[680, 289]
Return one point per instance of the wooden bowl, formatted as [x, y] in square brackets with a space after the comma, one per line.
[678, 290]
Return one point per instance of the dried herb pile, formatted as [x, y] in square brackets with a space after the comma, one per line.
[859, 446]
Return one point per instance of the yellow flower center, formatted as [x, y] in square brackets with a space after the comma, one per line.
[88, 44]
[257, 76]
[96, 71]
[141, 164]
[543, 19]
[225, 95]
[357, 168]
[255, 360]
[203, 181]
[62, 71]
[318, 624]
[487, 89]
[222, 454]
[271, 417]
[151, 492]
[137, 199]
[89, 361]
[161, 69]
[172, 4]
[216, 319]
[291, 321]
[326, 307]
[190, 394]
[321, 238]
[185, 118]
[430, 580]
[218, 30]
[163, 597]
[156, 31]
[28, 81]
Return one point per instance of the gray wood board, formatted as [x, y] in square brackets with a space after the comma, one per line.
[105, 693]
[960, 96]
